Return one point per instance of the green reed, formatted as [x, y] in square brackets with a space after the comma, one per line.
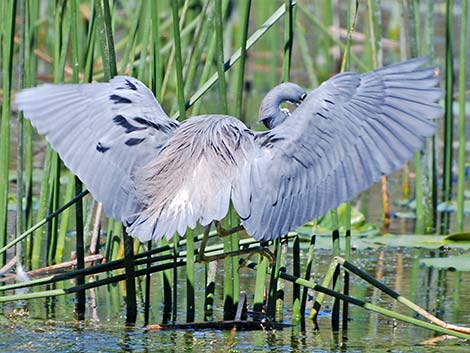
[448, 117]
[8, 19]
[462, 117]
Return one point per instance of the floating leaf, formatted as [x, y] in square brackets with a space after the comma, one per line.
[461, 236]
[325, 224]
[452, 263]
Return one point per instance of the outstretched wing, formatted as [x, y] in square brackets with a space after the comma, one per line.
[102, 132]
[348, 133]
[202, 167]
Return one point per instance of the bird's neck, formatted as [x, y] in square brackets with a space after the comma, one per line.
[272, 114]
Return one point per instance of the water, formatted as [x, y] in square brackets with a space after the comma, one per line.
[48, 325]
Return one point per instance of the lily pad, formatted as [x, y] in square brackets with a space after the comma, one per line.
[461, 236]
[367, 241]
[452, 263]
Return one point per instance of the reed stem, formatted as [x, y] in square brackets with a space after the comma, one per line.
[7, 50]
[462, 117]
[448, 117]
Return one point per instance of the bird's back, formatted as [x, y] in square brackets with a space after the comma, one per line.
[192, 179]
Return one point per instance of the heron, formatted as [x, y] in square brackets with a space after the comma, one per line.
[160, 176]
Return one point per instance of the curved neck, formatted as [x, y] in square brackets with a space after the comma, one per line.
[270, 112]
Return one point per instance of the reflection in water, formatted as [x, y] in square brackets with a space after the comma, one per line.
[50, 323]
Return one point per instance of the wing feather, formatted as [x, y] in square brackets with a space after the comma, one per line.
[348, 133]
[79, 121]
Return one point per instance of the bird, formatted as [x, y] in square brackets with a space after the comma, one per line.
[160, 176]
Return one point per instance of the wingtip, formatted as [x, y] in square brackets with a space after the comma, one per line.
[406, 65]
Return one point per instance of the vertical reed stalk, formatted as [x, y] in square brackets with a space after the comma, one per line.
[239, 114]
[306, 57]
[220, 57]
[375, 30]
[171, 57]
[210, 274]
[148, 279]
[429, 157]
[273, 38]
[336, 252]
[241, 72]
[277, 285]
[274, 280]
[448, 118]
[145, 41]
[80, 250]
[308, 273]
[288, 39]
[229, 311]
[260, 285]
[30, 77]
[462, 139]
[296, 297]
[207, 70]
[9, 16]
[424, 171]
[157, 72]
[261, 269]
[178, 59]
[131, 300]
[182, 112]
[20, 147]
[190, 285]
[175, 281]
[61, 40]
[105, 35]
[345, 66]
[201, 34]
[156, 84]
[110, 70]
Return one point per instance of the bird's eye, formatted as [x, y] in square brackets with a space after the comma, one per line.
[302, 97]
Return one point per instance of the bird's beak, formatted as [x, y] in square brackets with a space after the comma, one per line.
[301, 99]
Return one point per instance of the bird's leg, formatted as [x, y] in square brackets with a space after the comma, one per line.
[261, 250]
[222, 232]
[202, 258]
[264, 252]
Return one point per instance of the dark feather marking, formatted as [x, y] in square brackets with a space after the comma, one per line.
[131, 85]
[118, 99]
[101, 148]
[134, 141]
[158, 127]
[122, 121]
[299, 161]
[146, 122]
[328, 101]
[173, 124]
[321, 115]
[271, 140]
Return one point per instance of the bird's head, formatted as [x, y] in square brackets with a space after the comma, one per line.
[270, 112]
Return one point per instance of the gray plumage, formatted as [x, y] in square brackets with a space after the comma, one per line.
[94, 128]
[161, 177]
